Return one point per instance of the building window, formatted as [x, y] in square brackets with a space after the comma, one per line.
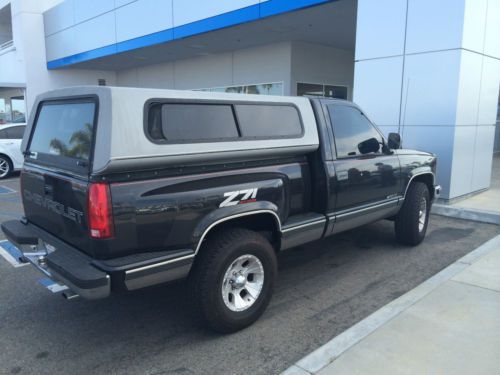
[5, 28]
[320, 90]
[12, 105]
[273, 88]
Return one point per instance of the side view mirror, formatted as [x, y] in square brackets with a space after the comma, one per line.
[368, 146]
[394, 141]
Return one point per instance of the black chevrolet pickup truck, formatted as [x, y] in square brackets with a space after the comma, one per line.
[125, 188]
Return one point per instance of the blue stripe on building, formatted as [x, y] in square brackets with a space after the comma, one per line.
[235, 17]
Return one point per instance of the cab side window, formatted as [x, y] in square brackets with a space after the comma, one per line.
[354, 134]
[3, 134]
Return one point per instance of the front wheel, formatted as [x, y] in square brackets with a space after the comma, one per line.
[5, 167]
[233, 278]
[412, 220]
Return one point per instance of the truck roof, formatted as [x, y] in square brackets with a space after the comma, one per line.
[121, 142]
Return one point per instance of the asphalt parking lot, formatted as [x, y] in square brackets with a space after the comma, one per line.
[323, 288]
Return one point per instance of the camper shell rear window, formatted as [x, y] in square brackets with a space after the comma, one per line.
[63, 133]
[213, 121]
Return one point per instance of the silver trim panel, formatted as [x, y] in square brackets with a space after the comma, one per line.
[343, 215]
[170, 261]
[303, 225]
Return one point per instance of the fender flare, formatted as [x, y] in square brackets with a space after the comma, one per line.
[221, 215]
[421, 172]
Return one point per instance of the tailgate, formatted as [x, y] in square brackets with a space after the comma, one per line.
[55, 176]
[57, 204]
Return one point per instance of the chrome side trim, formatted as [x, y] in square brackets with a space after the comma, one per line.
[128, 272]
[170, 261]
[322, 221]
[342, 215]
[235, 217]
[419, 174]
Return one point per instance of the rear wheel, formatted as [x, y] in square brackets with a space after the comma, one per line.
[412, 220]
[233, 278]
[5, 167]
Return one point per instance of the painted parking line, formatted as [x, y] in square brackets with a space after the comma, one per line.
[6, 190]
[11, 253]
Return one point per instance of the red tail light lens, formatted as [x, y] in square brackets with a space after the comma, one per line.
[100, 212]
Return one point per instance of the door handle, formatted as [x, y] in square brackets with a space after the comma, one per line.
[9, 143]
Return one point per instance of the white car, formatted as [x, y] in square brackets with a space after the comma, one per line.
[11, 157]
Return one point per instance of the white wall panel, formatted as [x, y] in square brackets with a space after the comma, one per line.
[492, 38]
[469, 88]
[378, 88]
[12, 70]
[434, 25]
[60, 44]
[380, 28]
[187, 11]
[474, 25]
[95, 33]
[490, 83]
[59, 17]
[204, 72]
[143, 17]
[269, 63]
[127, 78]
[119, 3]
[431, 85]
[87, 9]
[483, 157]
[463, 160]
[157, 76]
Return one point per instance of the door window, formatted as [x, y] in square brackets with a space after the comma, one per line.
[354, 133]
[15, 132]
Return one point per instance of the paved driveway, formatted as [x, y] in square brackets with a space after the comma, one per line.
[323, 288]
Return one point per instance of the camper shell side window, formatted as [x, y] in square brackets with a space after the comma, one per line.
[171, 122]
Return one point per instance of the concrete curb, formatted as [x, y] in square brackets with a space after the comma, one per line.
[326, 354]
[466, 213]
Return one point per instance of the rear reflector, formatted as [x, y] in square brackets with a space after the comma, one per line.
[100, 211]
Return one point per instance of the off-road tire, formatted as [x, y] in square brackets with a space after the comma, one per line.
[206, 278]
[406, 225]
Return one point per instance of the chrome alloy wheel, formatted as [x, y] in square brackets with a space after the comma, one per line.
[242, 283]
[422, 214]
[4, 167]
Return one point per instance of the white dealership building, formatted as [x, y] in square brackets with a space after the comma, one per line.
[428, 69]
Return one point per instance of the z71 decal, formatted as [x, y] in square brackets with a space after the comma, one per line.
[245, 196]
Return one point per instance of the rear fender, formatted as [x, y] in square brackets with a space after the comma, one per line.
[226, 214]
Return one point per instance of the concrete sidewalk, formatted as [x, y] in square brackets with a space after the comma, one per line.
[450, 324]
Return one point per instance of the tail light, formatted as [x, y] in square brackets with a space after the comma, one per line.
[100, 213]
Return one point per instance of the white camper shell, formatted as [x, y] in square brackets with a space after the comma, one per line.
[122, 139]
